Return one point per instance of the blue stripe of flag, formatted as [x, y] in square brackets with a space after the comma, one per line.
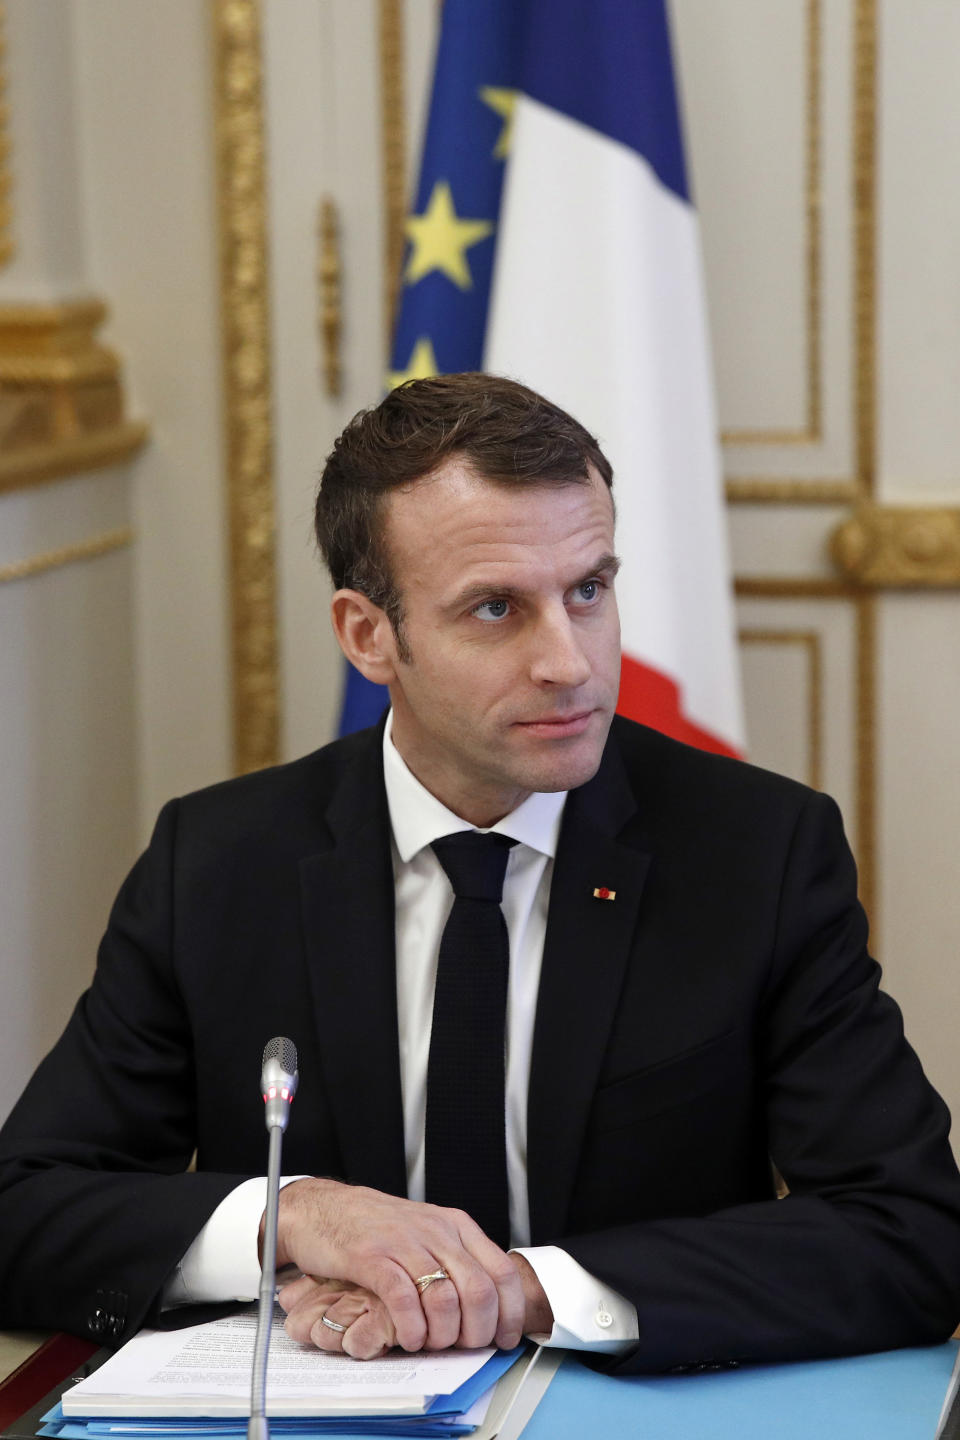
[607, 63]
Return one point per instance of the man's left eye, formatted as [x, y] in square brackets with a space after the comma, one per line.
[492, 610]
[589, 590]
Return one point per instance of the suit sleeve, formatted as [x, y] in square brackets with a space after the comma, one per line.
[96, 1207]
[864, 1252]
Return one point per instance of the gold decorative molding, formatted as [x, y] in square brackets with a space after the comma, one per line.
[394, 154]
[892, 547]
[767, 491]
[778, 587]
[329, 286]
[865, 238]
[796, 490]
[240, 147]
[97, 545]
[808, 640]
[866, 755]
[6, 179]
[793, 587]
[812, 429]
[61, 398]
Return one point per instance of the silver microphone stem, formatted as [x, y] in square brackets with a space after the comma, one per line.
[278, 1085]
[258, 1427]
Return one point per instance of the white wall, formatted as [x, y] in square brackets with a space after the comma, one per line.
[68, 778]
[144, 87]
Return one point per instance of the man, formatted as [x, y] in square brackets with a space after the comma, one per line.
[689, 993]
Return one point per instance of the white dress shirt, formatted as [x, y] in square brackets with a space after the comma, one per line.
[222, 1261]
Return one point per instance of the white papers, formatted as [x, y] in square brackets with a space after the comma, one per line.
[205, 1370]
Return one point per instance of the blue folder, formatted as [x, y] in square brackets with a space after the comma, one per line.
[893, 1396]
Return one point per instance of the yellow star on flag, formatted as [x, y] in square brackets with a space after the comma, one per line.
[423, 365]
[504, 103]
[440, 238]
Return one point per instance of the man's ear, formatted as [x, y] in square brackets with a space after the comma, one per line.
[365, 635]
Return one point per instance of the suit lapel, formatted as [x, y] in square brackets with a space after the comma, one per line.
[348, 914]
[584, 959]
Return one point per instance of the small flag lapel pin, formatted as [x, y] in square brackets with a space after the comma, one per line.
[602, 893]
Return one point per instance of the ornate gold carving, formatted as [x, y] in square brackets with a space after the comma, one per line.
[811, 431]
[810, 642]
[37, 464]
[246, 379]
[899, 546]
[6, 180]
[329, 312]
[394, 154]
[61, 401]
[67, 554]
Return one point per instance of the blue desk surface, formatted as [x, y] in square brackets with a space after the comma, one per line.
[894, 1396]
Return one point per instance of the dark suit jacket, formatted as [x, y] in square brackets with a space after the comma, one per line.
[722, 1010]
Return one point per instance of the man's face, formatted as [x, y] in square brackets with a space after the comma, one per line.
[511, 621]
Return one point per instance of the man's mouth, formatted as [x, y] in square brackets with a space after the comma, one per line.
[557, 727]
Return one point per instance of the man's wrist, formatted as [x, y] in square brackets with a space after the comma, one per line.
[284, 1257]
[538, 1314]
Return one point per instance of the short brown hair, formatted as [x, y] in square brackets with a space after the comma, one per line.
[509, 434]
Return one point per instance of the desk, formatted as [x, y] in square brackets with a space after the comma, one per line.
[16, 1346]
[31, 1364]
[894, 1396]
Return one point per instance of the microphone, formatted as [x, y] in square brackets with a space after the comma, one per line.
[278, 1085]
[278, 1080]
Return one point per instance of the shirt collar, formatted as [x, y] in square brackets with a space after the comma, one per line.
[417, 818]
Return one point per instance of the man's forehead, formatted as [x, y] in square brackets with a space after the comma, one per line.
[460, 532]
[457, 475]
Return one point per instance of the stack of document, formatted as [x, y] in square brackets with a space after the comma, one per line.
[195, 1382]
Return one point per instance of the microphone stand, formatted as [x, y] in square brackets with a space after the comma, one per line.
[258, 1427]
[278, 1083]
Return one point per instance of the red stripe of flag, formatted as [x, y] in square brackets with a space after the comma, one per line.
[654, 699]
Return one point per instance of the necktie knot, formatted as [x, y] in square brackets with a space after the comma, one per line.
[475, 864]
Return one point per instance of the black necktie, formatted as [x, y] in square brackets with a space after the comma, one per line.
[466, 1150]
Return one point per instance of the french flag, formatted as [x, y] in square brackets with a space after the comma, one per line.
[553, 239]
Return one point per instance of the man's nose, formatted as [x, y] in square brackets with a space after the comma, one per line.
[558, 656]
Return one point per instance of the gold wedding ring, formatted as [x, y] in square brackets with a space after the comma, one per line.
[426, 1281]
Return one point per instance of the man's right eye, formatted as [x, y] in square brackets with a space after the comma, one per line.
[492, 610]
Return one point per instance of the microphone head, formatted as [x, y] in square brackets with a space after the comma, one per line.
[282, 1049]
[278, 1080]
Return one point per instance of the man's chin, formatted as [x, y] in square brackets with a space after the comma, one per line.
[562, 763]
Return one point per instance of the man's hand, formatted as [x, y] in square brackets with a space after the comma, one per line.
[370, 1333]
[383, 1245]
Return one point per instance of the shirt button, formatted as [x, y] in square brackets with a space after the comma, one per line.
[603, 1317]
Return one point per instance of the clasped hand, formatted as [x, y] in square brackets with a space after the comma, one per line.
[377, 1246]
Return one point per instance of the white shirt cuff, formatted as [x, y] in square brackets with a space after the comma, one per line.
[223, 1263]
[587, 1315]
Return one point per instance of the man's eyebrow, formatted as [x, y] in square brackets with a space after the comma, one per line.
[606, 566]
